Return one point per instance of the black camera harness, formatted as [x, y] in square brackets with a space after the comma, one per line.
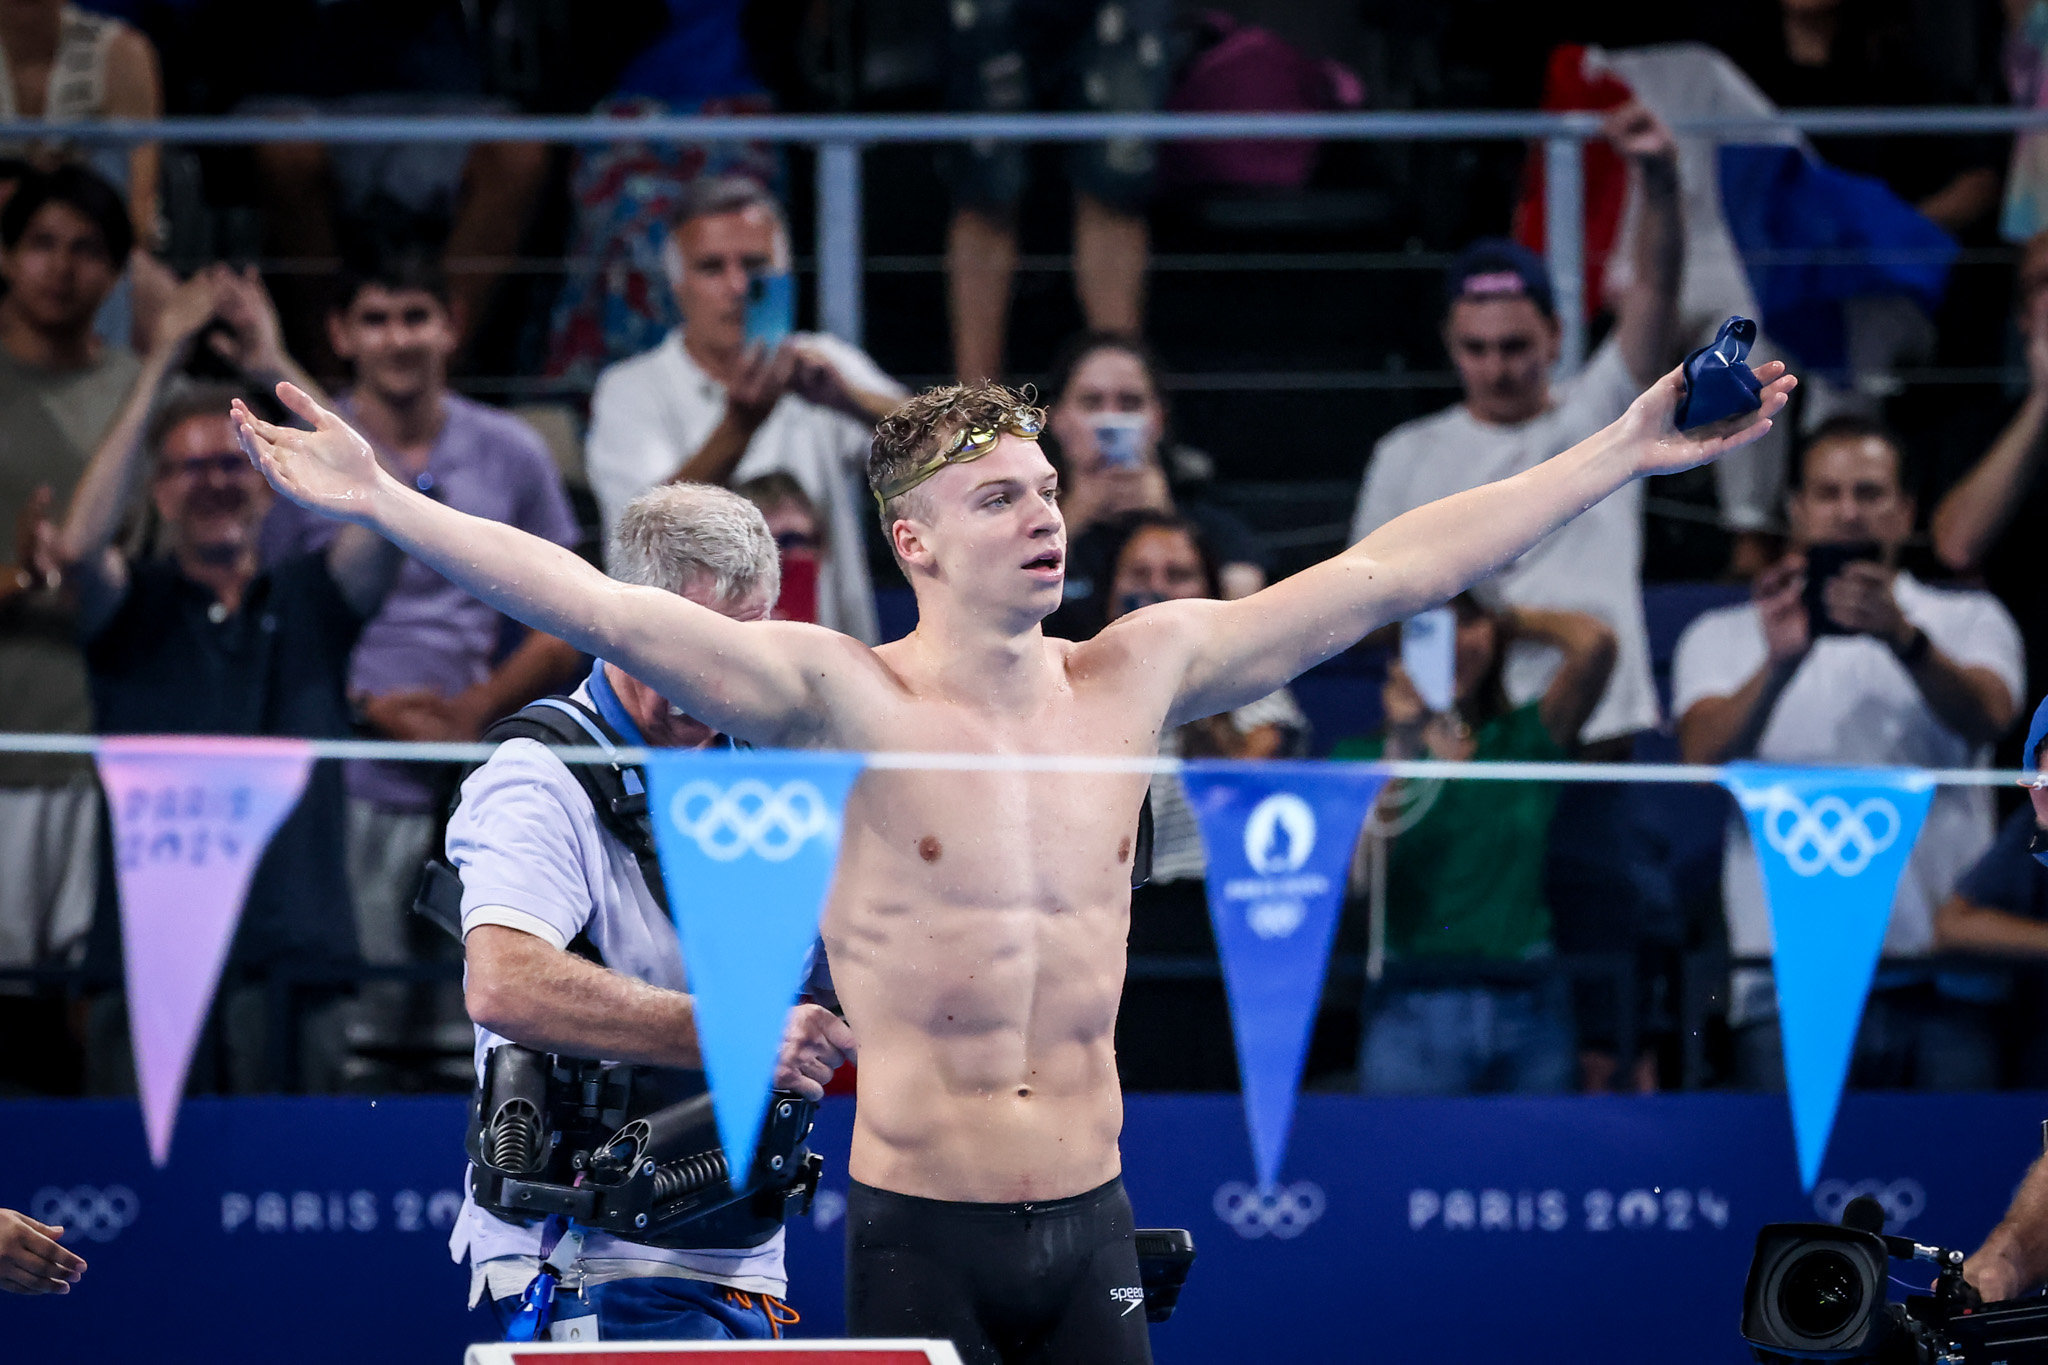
[623, 1148]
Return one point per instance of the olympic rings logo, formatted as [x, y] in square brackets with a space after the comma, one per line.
[750, 817]
[98, 1215]
[1829, 835]
[1284, 1211]
[1903, 1199]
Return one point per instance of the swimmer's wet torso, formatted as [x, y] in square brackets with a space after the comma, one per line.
[977, 935]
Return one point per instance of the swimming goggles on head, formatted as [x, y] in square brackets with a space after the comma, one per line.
[968, 444]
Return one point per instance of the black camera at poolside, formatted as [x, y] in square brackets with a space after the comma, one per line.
[1816, 1292]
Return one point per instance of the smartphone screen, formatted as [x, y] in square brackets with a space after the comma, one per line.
[771, 308]
[1823, 562]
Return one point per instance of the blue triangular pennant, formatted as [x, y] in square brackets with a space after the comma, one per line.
[1279, 839]
[748, 841]
[1831, 844]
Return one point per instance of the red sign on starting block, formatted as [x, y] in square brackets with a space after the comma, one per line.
[716, 1353]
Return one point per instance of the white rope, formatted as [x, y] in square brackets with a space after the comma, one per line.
[912, 761]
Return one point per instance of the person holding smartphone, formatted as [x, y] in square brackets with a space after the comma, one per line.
[1118, 461]
[1843, 657]
[736, 392]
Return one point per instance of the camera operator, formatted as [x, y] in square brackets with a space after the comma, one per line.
[540, 873]
[1844, 658]
[2014, 1258]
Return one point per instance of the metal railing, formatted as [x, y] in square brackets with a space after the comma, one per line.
[840, 139]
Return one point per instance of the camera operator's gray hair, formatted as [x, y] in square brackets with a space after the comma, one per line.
[683, 533]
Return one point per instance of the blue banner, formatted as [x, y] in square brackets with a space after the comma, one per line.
[1831, 844]
[1432, 1230]
[1279, 839]
[748, 841]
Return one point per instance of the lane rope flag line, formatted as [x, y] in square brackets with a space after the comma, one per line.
[900, 760]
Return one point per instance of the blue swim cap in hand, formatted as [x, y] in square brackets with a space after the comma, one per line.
[1717, 382]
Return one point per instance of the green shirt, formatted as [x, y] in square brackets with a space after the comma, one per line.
[1465, 874]
[50, 421]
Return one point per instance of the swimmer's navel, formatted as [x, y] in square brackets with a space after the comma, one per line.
[928, 848]
[1023, 1092]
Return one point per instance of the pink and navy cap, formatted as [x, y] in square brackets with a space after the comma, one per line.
[1498, 268]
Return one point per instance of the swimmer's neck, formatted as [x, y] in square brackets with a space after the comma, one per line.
[980, 659]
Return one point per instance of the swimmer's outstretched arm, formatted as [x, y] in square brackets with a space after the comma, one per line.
[1237, 652]
[762, 681]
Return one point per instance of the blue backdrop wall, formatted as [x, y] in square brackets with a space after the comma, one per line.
[1583, 1230]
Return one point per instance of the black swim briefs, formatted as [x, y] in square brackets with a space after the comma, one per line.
[1008, 1284]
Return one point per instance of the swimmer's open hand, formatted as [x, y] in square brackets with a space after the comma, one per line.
[1655, 445]
[815, 1043]
[330, 469]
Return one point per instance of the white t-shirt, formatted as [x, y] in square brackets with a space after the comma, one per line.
[1592, 564]
[649, 414]
[1853, 702]
[534, 858]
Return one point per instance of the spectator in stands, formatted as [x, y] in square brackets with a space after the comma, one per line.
[1986, 523]
[614, 302]
[364, 200]
[2000, 910]
[1005, 58]
[1112, 439]
[63, 238]
[1174, 1034]
[2000, 906]
[1869, 666]
[431, 664]
[207, 639]
[1806, 54]
[713, 403]
[1465, 867]
[64, 64]
[801, 538]
[1500, 327]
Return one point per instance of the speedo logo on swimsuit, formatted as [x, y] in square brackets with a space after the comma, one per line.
[1131, 1299]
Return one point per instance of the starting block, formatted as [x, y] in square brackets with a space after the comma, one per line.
[875, 1352]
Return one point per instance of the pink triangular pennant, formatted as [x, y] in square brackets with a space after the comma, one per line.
[191, 816]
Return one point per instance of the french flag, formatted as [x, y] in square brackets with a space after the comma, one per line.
[1772, 231]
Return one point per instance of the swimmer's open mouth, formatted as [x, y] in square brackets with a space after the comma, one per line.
[1051, 560]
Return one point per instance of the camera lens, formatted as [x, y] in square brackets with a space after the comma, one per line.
[1820, 1293]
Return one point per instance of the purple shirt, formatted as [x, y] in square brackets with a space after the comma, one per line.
[430, 634]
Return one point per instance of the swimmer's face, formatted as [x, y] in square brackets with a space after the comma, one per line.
[989, 531]
[715, 255]
[398, 340]
[207, 492]
[59, 273]
[1504, 349]
[650, 710]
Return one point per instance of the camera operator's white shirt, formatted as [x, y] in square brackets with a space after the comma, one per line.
[534, 858]
[1853, 702]
[1593, 564]
[648, 414]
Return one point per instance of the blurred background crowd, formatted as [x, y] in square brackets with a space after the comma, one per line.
[1252, 354]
